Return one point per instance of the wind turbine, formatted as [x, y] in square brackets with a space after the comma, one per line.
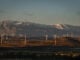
[6, 37]
[55, 39]
[46, 37]
[25, 39]
[2, 38]
[71, 35]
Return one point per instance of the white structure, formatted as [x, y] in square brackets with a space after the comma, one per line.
[25, 39]
[6, 37]
[55, 39]
[2, 38]
[71, 35]
[46, 37]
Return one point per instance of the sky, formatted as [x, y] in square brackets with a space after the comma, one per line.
[41, 11]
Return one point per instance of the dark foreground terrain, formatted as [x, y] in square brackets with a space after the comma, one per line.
[33, 57]
[39, 53]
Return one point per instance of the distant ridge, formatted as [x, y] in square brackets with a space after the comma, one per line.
[36, 30]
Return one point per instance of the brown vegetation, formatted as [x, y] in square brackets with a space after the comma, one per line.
[62, 41]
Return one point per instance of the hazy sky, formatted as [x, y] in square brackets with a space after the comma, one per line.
[41, 11]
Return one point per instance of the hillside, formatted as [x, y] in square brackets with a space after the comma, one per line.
[17, 28]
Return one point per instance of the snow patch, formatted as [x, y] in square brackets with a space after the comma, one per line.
[60, 26]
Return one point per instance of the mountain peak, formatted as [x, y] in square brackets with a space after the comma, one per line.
[60, 26]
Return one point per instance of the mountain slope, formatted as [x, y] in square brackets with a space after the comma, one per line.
[37, 30]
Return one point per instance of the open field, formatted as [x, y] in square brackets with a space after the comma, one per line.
[23, 42]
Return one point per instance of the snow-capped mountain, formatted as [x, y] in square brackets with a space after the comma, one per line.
[60, 26]
[37, 30]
